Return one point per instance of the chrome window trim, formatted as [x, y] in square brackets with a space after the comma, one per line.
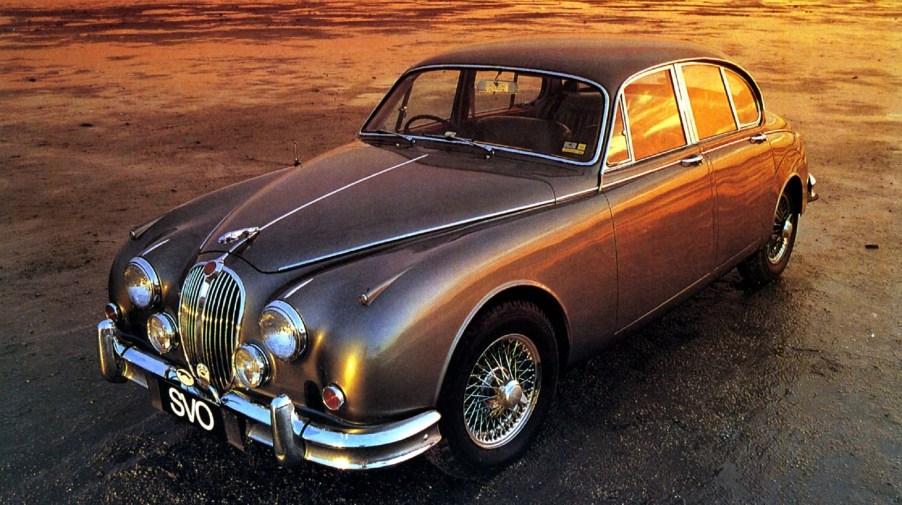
[723, 64]
[685, 106]
[601, 129]
[726, 86]
[759, 101]
[621, 100]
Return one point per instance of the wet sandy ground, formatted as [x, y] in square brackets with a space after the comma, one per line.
[111, 114]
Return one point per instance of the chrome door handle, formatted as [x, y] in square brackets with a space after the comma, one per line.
[757, 139]
[692, 161]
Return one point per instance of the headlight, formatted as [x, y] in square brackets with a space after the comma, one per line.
[283, 331]
[142, 283]
[162, 332]
[251, 366]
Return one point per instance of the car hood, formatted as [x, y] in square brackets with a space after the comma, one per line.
[362, 196]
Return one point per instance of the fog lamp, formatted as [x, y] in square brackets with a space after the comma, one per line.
[142, 283]
[162, 332]
[250, 366]
[283, 331]
[333, 397]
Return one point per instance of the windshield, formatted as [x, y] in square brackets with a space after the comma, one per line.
[522, 111]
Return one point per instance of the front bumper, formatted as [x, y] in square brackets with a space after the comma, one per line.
[279, 425]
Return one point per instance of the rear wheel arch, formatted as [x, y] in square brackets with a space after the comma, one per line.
[796, 192]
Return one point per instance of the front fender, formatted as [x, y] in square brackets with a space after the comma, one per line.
[388, 351]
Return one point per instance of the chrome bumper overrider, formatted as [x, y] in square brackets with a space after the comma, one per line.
[279, 425]
[812, 196]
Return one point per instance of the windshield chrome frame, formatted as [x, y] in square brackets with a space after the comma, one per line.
[496, 148]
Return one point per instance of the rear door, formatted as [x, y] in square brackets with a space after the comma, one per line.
[726, 117]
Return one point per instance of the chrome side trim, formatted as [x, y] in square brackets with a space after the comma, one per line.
[279, 424]
[418, 232]
[339, 190]
[573, 196]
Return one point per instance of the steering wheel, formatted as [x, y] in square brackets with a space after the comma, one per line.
[448, 124]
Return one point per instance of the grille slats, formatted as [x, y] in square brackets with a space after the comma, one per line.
[209, 320]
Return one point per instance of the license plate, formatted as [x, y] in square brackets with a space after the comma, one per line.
[199, 412]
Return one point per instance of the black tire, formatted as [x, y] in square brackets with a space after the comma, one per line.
[514, 397]
[767, 263]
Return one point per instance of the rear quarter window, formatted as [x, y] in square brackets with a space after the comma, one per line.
[744, 101]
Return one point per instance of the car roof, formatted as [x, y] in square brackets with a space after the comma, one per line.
[607, 61]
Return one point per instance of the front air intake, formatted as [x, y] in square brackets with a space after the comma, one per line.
[209, 320]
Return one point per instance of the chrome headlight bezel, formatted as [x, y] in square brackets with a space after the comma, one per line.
[250, 366]
[289, 342]
[142, 283]
[162, 331]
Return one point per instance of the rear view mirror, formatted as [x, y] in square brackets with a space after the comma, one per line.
[495, 86]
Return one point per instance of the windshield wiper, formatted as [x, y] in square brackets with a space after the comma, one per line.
[410, 140]
[489, 152]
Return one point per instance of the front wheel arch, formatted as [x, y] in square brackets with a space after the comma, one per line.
[539, 295]
[498, 390]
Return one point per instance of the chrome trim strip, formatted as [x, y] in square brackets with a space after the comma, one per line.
[153, 247]
[339, 190]
[601, 129]
[575, 195]
[415, 233]
[292, 291]
[293, 438]
[642, 174]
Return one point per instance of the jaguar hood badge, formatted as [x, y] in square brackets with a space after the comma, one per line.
[236, 235]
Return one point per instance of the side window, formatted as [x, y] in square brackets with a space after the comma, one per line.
[617, 150]
[708, 100]
[743, 99]
[653, 115]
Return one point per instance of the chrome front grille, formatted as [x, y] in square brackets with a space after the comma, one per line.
[209, 320]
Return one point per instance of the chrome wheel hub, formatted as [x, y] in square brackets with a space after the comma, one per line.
[502, 391]
[782, 234]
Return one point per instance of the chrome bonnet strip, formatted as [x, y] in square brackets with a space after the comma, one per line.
[339, 190]
[418, 232]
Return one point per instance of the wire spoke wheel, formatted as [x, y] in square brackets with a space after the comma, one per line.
[779, 243]
[502, 391]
